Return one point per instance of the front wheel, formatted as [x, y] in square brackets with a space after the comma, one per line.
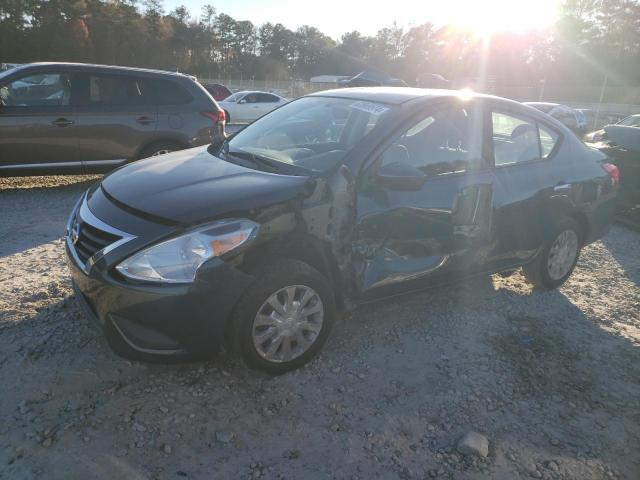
[284, 318]
[556, 261]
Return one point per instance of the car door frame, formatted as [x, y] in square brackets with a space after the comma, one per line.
[239, 112]
[265, 107]
[437, 275]
[71, 161]
[522, 214]
[138, 129]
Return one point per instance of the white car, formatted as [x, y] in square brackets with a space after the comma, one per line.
[247, 106]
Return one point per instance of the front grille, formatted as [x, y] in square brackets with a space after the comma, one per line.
[91, 240]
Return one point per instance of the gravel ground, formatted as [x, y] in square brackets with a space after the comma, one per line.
[551, 379]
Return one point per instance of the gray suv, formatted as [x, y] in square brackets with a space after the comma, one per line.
[77, 118]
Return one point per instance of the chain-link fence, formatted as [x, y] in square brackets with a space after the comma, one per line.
[285, 88]
[616, 100]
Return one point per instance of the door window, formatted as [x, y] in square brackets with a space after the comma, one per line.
[112, 90]
[514, 140]
[251, 98]
[44, 89]
[517, 140]
[267, 98]
[444, 142]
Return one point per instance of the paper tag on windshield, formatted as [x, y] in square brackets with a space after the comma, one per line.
[369, 107]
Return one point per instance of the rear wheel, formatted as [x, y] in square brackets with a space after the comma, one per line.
[285, 317]
[555, 263]
[159, 148]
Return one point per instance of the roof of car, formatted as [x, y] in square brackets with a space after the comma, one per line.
[542, 104]
[97, 67]
[246, 92]
[399, 95]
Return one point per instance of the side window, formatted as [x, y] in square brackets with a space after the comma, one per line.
[168, 92]
[267, 98]
[45, 89]
[251, 98]
[515, 140]
[548, 140]
[445, 142]
[111, 90]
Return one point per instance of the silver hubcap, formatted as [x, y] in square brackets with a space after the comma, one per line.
[562, 254]
[288, 323]
[161, 152]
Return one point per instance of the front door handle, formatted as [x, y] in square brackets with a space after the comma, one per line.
[144, 120]
[62, 122]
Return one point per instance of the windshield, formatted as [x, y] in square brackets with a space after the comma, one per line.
[313, 133]
[632, 121]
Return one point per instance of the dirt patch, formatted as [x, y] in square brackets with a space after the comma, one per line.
[551, 378]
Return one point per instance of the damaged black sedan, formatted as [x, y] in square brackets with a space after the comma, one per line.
[335, 199]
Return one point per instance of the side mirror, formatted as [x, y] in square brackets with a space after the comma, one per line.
[400, 176]
[216, 144]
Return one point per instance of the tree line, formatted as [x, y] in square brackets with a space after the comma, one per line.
[591, 39]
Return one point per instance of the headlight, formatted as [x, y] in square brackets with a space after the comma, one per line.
[177, 260]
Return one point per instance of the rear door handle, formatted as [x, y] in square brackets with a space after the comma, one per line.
[62, 122]
[144, 120]
[562, 187]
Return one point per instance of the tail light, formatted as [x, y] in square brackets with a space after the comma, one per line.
[215, 117]
[613, 172]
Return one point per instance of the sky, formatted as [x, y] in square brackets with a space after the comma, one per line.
[335, 17]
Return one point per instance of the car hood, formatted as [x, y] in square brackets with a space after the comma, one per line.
[192, 186]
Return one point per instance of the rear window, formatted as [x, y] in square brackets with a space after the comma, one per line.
[169, 93]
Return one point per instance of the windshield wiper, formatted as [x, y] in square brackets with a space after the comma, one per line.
[258, 161]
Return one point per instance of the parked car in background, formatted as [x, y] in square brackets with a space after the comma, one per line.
[600, 135]
[596, 120]
[261, 237]
[621, 143]
[218, 91]
[77, 118]
[247, 106]
[372, 78]
[573, 119]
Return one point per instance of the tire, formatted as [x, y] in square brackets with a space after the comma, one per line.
[540, 271]
[159, 148]
[301, 279]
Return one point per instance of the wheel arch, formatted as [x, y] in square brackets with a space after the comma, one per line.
[305, 248]
[176, 140]
[582, 220]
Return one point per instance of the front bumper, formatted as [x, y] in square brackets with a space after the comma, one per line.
[157, 320]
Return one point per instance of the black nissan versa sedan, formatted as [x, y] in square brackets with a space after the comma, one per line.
[337, 198]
